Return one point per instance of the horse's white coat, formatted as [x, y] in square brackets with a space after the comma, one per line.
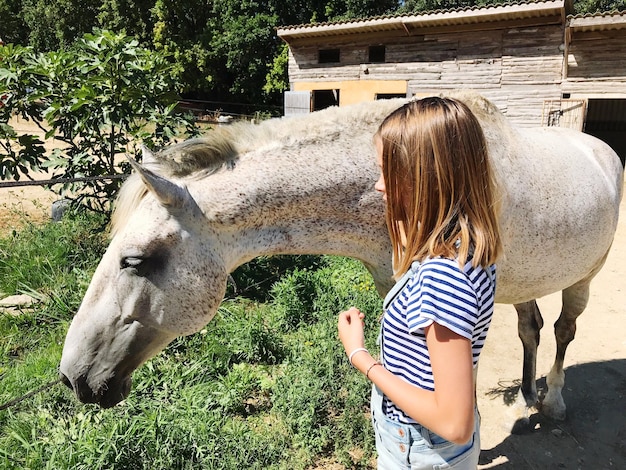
[306, 185]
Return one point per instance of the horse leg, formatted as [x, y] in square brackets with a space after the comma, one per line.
[529, 323]
[574, 302]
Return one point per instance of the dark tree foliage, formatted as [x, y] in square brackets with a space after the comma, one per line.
[227, 49]
[12, 27]
[57, 24]
[133, 17]
[594, 6]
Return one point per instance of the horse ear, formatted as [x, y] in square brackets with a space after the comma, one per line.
[169, 194]
[147, 157]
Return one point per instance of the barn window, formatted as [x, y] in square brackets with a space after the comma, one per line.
[325, 98]
[376, 54]
[389, 96]
[328, 56]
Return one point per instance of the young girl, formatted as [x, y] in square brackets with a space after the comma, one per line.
[437, 183]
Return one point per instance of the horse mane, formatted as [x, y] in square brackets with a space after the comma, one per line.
[220, 148]
[208, 154]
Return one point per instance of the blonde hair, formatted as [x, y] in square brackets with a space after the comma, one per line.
[439, 184]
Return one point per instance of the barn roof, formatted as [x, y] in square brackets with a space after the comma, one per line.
[597, 22]
[535, 12]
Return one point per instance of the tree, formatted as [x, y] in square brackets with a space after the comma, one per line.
[18, 153]
[277, 80]
[185, 30]
[12, 27]
[594, 6]
[55, 25]
[246, 45]
[132, 17]
[226, 50]
[100, 99]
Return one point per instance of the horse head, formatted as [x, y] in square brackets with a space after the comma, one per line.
[144, 293]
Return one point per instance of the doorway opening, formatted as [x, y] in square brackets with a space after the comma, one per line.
[606, 120]
[325, 98]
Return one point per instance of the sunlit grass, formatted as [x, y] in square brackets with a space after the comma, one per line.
[265, 385]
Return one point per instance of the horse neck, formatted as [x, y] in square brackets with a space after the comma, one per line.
[298, 201]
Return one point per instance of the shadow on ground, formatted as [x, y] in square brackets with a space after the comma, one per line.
[593, 436]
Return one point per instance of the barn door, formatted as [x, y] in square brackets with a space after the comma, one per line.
[297, 102]
[564, 113]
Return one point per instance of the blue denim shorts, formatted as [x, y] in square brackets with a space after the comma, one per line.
[411, 446]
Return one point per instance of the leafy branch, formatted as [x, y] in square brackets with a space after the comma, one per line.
[94, 102]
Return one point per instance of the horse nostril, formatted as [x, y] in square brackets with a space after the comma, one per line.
[65, 380]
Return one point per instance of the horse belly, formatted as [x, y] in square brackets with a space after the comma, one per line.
[559, 220]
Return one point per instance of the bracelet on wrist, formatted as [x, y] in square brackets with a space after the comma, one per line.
[367, 372]
[354, 352]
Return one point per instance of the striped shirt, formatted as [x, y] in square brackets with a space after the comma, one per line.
[438, 291]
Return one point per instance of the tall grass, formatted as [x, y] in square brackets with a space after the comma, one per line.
[265, 385]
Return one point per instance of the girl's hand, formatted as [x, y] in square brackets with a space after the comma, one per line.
[350, 326]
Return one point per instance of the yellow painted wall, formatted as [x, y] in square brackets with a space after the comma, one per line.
[355, 91]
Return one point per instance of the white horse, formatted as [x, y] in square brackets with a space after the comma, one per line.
[193, 213]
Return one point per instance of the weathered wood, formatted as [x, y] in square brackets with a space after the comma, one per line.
[517, 66]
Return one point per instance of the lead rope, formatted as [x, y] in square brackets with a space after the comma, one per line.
[26, 396]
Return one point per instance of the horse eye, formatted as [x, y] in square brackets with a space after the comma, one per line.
[143, 267]
[131, 262]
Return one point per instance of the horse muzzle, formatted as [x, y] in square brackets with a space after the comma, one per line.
[107, 395]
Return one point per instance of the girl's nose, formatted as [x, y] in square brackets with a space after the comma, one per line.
[380, 185]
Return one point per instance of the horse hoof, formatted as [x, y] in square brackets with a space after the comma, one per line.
[556, 413]
[518, 414]
[553, 405]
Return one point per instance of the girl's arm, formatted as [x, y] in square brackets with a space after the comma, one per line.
[449, 410]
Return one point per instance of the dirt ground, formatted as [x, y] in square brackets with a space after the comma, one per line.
[21, 203]
[593, 436]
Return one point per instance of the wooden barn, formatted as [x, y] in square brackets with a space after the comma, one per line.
[536, 61]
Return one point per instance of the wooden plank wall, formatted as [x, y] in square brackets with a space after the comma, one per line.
[517, 68]
[597, 65]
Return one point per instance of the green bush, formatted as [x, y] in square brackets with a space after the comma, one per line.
[308, 295]
[255, 279]
[254, 389]
[321, 398]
